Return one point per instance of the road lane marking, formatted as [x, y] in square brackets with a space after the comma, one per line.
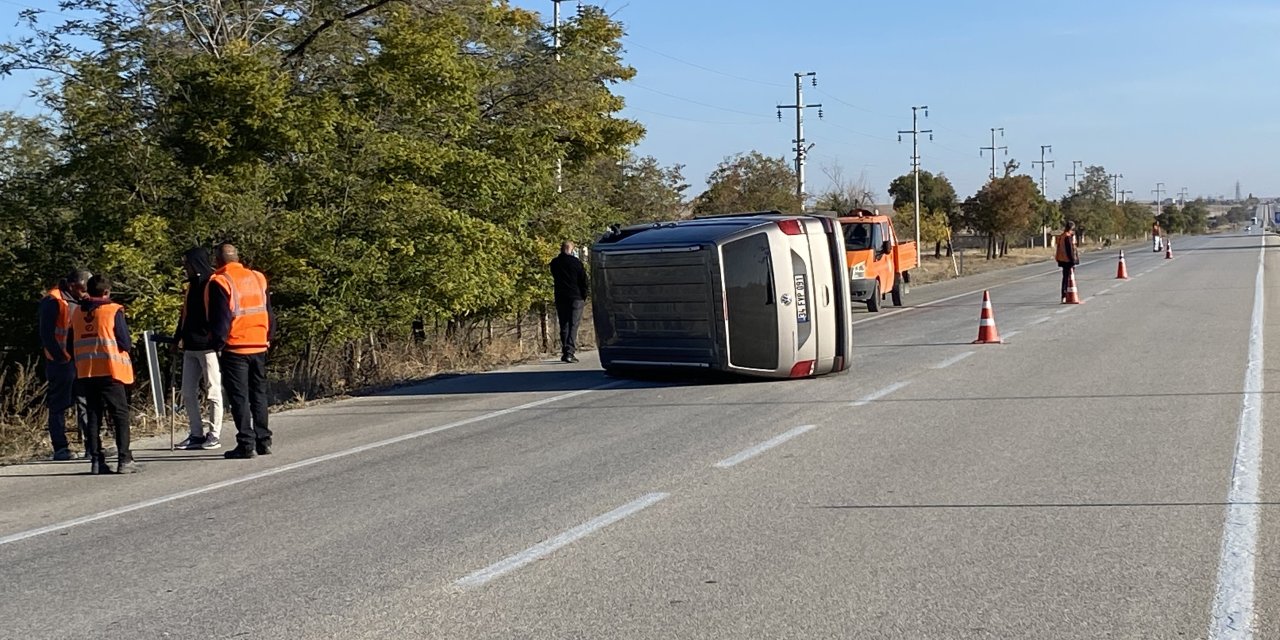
[1010, 334]
[752, 452]
[1233, 614]
[550, 545]
[952, 360]
[1039, 321]
[868, 399]
[1063, 310]
[110, 513]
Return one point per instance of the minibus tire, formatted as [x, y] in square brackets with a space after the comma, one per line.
[899, 288]
[873, 303]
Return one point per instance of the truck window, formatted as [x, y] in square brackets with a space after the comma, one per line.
[858, 236]
[752, 318]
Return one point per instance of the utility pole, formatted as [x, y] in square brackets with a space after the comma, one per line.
[555, 45]
[1182, 197]
[1159, 190]
[1115, 189]
[993, 149]
[915, 163]
[1073, 175]
[1042, 162]
[1124, 195]
[801, 149]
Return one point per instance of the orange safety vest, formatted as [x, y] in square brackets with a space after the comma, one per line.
[1067, 236]
[247, 296]
[62, 326]
[96, 353]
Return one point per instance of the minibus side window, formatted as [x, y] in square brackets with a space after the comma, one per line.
[752, 315]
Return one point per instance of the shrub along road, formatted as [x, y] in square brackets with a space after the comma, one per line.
[1070, 483]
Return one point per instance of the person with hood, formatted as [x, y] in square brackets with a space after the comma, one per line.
[54, 326]
[100, 347]
[201, 375]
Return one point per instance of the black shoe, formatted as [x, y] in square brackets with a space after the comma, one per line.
[564, 358]
[98, 466]
[239, 453]
[62, 455]
[263, 448]
[571, 359]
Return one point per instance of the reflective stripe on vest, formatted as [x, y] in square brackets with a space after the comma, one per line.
[62, 326]
[97, 354]
[247, 301]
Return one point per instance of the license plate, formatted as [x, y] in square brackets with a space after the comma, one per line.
[802, 301]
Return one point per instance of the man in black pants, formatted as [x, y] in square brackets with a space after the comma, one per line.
[241, 327]
[1067, 255]
[100, 345]
[570, 279]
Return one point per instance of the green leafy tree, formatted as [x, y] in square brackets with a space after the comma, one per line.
[1092, 205]
[749, 182]
[939, 208]
[1002, 206]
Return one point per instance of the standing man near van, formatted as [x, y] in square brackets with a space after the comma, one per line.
[59, 368]
[201, 375]
[570, 279]
[1068, 257]
[241, 324]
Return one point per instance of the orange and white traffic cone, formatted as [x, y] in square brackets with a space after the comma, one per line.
[1073, 296]
[1122, 272]
[1168, 251]
[987, 333]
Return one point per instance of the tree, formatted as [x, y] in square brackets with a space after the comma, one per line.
[938, 207]
[1092, 205]
[749, 182]
[1002, 206]
[843, 195]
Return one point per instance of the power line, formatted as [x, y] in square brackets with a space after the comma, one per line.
[687, 119]
[915, 162]
[1115, 189]
[1073, 175]
[703, 104]
[1043, 163]
[856, 132]
[702, 67]
[855, 106]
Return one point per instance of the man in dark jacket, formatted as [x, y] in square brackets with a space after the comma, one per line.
[570, 279]
[1067, 255]
[54, 325]
[100, 346]
[201, 375]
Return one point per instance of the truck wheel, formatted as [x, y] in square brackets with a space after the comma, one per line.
[873, 303]
[899, 288]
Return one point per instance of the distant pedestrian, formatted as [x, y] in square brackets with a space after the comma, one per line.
[241, 325]
[1068, 256]
[104, 371]
[60, 370]
[201, 375]
[570, 279]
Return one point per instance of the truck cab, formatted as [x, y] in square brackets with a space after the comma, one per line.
[879, 264]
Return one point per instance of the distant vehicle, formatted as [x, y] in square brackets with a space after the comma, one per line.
[879, 264]
[757, 294]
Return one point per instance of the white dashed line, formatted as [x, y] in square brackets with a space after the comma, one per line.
[880, 394]
[752, 452]
[548, 546]
[1038, 321]
[952, 360]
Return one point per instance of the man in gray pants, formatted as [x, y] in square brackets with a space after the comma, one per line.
[201, 375]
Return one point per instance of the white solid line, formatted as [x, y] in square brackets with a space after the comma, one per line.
[546, 547]
[1233, 601]
[102, 515]
[880, 394]
[952, 360]
[752, 452]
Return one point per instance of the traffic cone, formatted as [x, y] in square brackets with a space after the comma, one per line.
[1168, 251]
[1073, 296]
[987, 333]
[1122, 272]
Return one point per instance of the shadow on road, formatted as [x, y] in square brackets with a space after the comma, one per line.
[539, 381]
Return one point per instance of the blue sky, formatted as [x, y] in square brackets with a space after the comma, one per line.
[1180, 92]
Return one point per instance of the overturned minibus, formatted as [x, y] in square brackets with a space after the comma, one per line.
[756, 294]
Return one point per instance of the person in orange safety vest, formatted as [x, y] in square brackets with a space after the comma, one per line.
[100, 345]
[60, 371]
[241, 325]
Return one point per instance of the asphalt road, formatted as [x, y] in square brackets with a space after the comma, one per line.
[1072, 483]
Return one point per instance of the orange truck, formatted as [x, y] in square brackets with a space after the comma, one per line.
[879, 264]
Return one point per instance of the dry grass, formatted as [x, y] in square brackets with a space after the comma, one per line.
[973, 262]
